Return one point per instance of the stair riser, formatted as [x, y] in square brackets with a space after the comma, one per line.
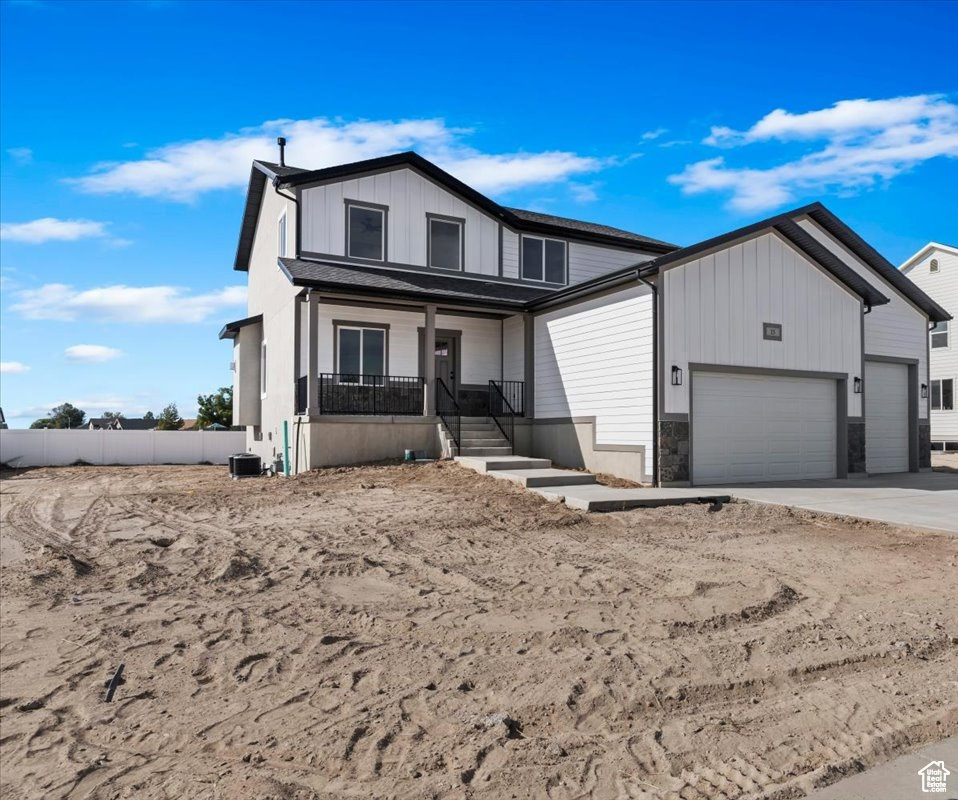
[485, 451]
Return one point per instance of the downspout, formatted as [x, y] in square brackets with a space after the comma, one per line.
[655, 377]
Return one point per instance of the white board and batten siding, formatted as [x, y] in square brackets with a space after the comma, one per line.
[595, 359]
[942, 287]
[513, 348]
[410, 197]
[585, 261]
[896, 329]
[715, 307]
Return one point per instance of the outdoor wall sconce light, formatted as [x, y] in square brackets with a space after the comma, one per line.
[676, 376]
[858, 385]
[924, 391]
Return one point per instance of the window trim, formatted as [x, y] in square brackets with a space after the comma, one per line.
[461, 222]
[945, 332]
[941, 394]
[263, 355]
[384, 210]
[544, 239]
[340, 324]
[282, 234]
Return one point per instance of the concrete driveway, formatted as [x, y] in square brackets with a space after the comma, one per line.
[917, 499]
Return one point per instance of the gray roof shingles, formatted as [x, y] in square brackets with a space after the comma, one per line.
[353, 278]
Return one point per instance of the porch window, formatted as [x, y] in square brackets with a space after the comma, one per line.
[445, 243]
[361, 355]
[543, 259]
[366, 231]
[939, 334]
[943, 395]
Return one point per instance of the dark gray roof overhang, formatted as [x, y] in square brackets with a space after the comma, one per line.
[231, 329]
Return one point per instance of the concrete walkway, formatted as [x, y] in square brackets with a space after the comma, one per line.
[926, 500]
[898, 779]
[579, 490]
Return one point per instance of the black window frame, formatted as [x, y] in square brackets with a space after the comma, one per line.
[430, 218]
[340, 325]
[943, 333]
[941, 394]
[544, 239]
[384, 210]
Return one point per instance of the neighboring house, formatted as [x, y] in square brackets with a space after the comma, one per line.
[392, 307]
[934, 269]
[121, 424]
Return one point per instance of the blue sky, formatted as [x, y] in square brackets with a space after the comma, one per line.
[127, 130]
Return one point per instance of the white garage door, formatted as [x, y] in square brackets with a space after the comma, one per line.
[748, 428]
[886, 417]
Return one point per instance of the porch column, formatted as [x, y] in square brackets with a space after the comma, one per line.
[312, 354]
[529, 364]
[429, 363]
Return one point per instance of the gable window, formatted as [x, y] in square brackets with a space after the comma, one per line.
[281, 235]
[366, 231]
[939, 334]
[543, 259]
[943, 395]
[262, 369]
[361, 354]
[445, 243]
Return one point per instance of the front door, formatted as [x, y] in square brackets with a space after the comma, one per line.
[446, 361]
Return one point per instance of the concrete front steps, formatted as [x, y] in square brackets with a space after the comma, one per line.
[579, 490]
[478, 436]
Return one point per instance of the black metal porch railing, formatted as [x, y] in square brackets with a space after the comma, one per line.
[384, 395]
[502, 412]
[447, 409]
[514, 393]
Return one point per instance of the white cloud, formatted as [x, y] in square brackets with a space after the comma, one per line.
[184, 171]
[13, 367]
[166, 304]
[651, 135]
[91, 353]
[864, 142]
[22, 155]
[50, 229]
[584, 192]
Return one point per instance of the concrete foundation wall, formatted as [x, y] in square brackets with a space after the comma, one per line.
[571, 443]
[352, 440]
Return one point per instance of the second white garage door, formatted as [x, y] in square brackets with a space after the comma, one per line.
[886, 417]
[749, 428]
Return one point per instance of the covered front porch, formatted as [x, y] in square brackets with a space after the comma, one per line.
[365, 362]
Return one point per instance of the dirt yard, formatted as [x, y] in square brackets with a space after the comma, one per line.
[424, 632]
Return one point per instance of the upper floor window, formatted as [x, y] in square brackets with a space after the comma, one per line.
[281, 235]
[939, 335]
[543, 259]
[934, 265]
[943, 395]
[366, 231]
[444, 248]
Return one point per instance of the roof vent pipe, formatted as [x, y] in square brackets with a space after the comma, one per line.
[281, 141]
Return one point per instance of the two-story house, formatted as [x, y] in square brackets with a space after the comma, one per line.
[934, 269]
[393, 308]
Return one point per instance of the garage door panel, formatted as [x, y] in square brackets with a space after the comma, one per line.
[752, 428]
[886, 417]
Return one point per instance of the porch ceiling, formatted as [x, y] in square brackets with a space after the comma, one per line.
[429, 287]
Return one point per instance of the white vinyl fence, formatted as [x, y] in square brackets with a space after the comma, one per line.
[53, 448]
